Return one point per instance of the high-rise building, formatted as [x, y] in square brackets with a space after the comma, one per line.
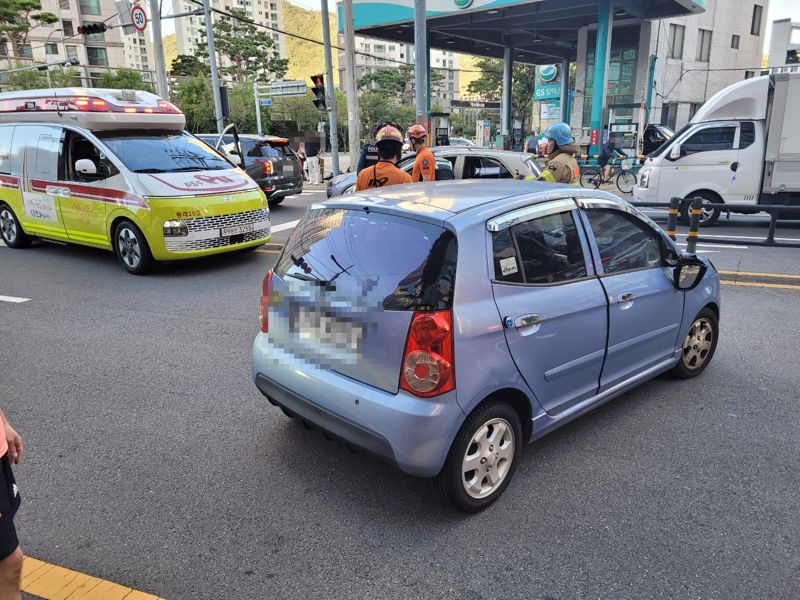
[61, 40]
[189, 30]
[373, 55]
[139, 53]
[784, 48]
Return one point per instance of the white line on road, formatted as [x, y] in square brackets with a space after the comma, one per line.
[285, 226]
[743, 237]
[733, 247]
[13, 299]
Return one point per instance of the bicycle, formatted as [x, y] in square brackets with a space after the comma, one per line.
[622, 176]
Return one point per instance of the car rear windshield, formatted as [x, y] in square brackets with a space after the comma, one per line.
[382, 260]
[162, 152]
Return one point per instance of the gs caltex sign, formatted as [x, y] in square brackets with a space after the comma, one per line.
[548, 73]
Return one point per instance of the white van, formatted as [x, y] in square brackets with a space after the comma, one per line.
[741, 148]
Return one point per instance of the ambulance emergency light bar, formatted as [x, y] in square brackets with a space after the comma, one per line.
[93, 108]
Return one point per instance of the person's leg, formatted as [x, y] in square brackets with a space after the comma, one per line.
[10, 570]
[606, 172]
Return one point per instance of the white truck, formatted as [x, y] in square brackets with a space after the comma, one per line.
[742, 148]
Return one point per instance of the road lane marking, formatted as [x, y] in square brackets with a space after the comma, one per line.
[13, 299]
[732, 247]
[779, 286]
[51, 582]
[285, 226]
[742, 237]
[756, 274]
[267, 251]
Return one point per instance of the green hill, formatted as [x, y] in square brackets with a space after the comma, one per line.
[306, 58]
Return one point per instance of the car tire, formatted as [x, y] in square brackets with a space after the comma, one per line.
[275, 201]
[132, 249]
[590, 178]
[699, 345]
[490, 439]
[11, 231]
[709, 216]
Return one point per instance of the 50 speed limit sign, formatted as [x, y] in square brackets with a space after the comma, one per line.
[138, 18]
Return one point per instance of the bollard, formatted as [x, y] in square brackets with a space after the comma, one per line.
[672, 219]
[694, 225]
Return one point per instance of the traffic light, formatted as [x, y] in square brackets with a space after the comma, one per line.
[92, 28]
[319, 91]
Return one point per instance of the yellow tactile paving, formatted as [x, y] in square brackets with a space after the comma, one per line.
[52, 582]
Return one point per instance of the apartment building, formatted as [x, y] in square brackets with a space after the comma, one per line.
[189, 30]
[139, 53]
[785, 39]
[61, 40]
[373, 55]
[696, 56]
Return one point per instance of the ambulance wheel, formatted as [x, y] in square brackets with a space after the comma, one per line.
[131, 249]
[11, 230]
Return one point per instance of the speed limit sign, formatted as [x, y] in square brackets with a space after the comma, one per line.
[138, 18]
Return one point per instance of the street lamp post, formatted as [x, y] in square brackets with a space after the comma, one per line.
[46, 42]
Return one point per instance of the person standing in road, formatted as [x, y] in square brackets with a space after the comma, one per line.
[561, 150]
[389, 140]
[312, 154]
[425, 163]
[10, 552]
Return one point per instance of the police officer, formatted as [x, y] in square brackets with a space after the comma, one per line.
[389, 141]
[561, 150]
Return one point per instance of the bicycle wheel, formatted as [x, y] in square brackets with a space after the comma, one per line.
[590, 178]
[625, 182]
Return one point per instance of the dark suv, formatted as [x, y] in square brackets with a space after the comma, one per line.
[268, 159]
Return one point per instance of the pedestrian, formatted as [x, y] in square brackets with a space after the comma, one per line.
[10, 553]
[301, 155]
[425, 163]
[532, 143]
[389, 140]
[312, 152]
[561, 150]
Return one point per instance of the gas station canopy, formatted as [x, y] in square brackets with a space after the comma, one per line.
[539, 31]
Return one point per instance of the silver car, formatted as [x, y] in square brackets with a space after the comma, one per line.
[441, 326]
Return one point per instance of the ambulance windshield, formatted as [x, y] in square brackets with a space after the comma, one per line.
[162, 151]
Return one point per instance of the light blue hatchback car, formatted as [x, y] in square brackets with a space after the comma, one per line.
[440, 326]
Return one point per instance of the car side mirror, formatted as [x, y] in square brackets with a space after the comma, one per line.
[85, 167]
[675, 152]
[689, 273]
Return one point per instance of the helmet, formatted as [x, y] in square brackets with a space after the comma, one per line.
[416, 132]
[389, 133]
[560, 133]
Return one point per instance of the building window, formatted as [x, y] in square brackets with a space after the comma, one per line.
[67, 27]
[380, 48]
[675, 40]
[669, 114]
[755, 25]
[63, 4]
[703, 45]
[97, 56]
[735, 42]
[794, 37]
[50, 49]
[749, 74]
[26, 51]
[274, 17]
[89, 7]
[72, 52]
[273, 6]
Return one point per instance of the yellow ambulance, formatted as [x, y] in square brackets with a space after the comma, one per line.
[114, 169]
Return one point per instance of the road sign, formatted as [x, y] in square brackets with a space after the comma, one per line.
[283, 88]
[265, 101]
[124, 14]
[138, 18]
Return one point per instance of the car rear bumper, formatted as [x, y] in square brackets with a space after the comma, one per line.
[413, 433]
[278, 188]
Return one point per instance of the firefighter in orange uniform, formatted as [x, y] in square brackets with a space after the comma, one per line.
[425, 163]
[389, 140]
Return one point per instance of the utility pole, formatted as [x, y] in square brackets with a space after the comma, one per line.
[212, 62]
[353, 118]
[162, 89]
[326, 38]
[421, 68]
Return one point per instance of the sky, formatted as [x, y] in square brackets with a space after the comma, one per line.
[778, 9]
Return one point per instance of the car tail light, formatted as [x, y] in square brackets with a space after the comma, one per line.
[266, 288]
[266, 165]
[427, 368]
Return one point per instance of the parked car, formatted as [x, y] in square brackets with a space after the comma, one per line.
[460, 141]
[468, 162]
[268, 160]
[440, 326]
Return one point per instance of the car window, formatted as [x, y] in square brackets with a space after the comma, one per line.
[5, 148]
[710, 139]
[77, 147]
[624, 243]
[162, 151]
[747, 135]
[481, 167]
[540, 251]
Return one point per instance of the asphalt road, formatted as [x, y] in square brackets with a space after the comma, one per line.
[154, 462]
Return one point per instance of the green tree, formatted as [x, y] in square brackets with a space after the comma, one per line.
[490, 84]
[397, 85]
[242, 107]
[124, 79]
[194, 97]
[244, 51]
[33, 79]
[18, 17]
[186, 65]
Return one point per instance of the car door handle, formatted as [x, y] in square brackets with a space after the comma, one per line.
[52, 190]
[527, 321]
[626, 297]
[64, 191]
[734, 166]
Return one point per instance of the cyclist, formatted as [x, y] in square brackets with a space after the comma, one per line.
[425, 163]
[389, 140]
[561, 150]
[607, 151]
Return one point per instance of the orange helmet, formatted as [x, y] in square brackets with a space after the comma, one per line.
[416, 132]
[389, 133]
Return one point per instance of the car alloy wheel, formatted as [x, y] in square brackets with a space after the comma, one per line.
[488, 458]
[698, 344]
[128, 246]
[8, 226]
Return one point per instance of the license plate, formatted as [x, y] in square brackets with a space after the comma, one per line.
[237, 230]
[311, 325]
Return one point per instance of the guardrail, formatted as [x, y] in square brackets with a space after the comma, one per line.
[697, 204]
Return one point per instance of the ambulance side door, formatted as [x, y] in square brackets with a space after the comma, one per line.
[85, 193]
